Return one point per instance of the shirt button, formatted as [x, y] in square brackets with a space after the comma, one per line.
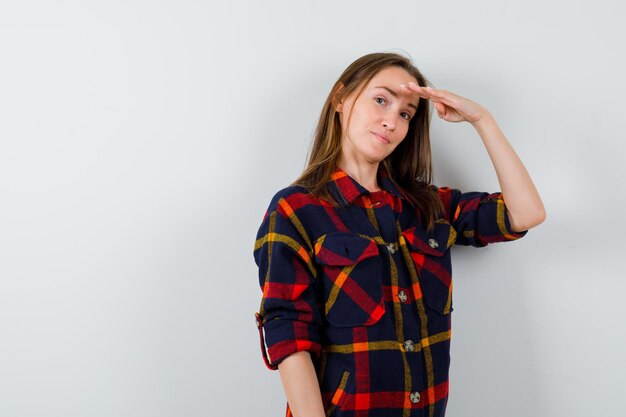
[415, 397]
[409, 346]
[392, 247]
[402, 296]
[433, 243]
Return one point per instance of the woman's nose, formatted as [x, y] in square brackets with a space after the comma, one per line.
[388, 122]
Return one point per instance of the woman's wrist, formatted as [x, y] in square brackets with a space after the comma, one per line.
[486, 120]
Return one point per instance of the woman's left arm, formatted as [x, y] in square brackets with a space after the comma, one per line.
[524, 206]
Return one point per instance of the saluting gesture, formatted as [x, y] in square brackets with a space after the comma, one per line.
[450, 107]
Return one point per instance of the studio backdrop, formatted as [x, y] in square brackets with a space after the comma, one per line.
[142, 141]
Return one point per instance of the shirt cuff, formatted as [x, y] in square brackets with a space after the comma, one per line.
[501, 231]
[284, 338]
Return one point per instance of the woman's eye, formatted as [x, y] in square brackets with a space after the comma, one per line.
[404, 115]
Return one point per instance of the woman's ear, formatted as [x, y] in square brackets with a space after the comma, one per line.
[337, 105]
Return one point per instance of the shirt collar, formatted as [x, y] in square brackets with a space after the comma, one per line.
[350, 189]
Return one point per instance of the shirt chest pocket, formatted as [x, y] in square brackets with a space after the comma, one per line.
[430, 252]
[352, 279]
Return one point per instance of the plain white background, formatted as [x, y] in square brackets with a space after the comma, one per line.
[141, 142]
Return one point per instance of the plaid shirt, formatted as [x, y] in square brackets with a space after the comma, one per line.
[367, 291]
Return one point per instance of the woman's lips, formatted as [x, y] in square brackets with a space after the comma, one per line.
[381, 137]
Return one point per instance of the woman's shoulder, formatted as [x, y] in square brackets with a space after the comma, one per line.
[289, 195]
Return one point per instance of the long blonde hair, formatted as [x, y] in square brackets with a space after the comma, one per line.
[409, 166]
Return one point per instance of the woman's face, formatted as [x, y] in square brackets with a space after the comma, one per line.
[379, 118]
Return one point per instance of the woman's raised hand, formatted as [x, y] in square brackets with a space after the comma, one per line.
[450, 107]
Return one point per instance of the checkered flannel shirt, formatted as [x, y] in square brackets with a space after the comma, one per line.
[367, 291]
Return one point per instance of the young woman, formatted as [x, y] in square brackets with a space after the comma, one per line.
[354, 256]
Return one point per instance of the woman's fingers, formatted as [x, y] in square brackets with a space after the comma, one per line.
[445, 103]
[443, 97]
[414, 87]
[429, 93]
[450, 106]
[421, 91]
[440, 94]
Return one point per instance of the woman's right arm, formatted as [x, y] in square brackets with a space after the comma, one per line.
[289, 311]
[301, 385]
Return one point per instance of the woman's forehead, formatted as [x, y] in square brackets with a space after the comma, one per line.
[391, 75]
[390, 81]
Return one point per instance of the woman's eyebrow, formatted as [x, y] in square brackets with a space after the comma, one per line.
[394, 93]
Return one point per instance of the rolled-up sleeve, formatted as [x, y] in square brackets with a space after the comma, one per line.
[479, 218]
[288, 315]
